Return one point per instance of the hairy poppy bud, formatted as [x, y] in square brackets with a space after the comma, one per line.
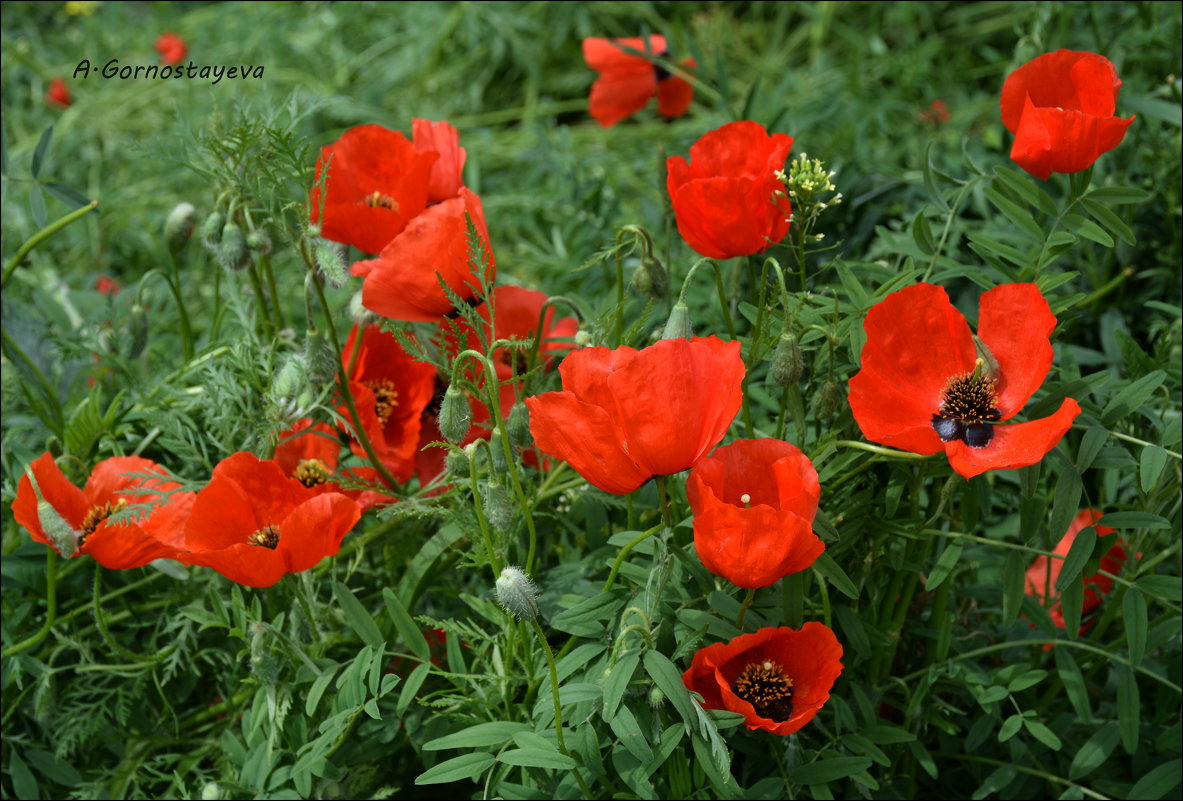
[259, 241]
[292, 378]
[678, 326]
[332, 267]
[498, 507]
[455, 414]
[137, 326]
[360, 314]
[518, 425]
[457, 464]
[826, 401]
[211, 229]
[178, 226]
[232, 250]
[318, 356]
[60, 533]
[656, 698]
[651, 278]
[517, 594]
[497, 453]
[787, 364]
[582, 339]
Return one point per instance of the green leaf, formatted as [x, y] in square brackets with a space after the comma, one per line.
[1066, 502]
[23, 781]
[537, 758]
[410, 633]
[1129, 708]
[715, 766]
[945, 564]
[1090, 445]
[481, 735]
[1165, 588]
[1094, 752]
[1119, 195]
[1073, 681]
[1158, 782]
[1134, 520]
[465, 766]
[1088, 229]
[669, 679]
[827, 568]
[996, 781]
[930, 185]
[617, 682]
[1010, 727]
[883, 734]
[53, 767]
[1078, 556]
[624, 726]
[1104, 215]
[1131, 397]
[1042, 733]
[42, 150]
[922, 233]
[1133, 610]
[411, 688]
[319, 684]
[71, 197]
[1026, 680]
[1015, 213]
[1014, 580]
[1071, 604]
[357, 617]
[829, 770]
[1150, 466]
[1025, 188]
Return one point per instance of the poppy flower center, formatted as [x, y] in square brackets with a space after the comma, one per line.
[765, 686]
[267, 537]
[311, 472]
[385, 398]
[380, 201]
[97, 515]
[969, 404]
[661, 72]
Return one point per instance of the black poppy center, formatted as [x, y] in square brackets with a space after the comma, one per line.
[766, 687]
[311, 472]
[266, 537]
[969, 405]
[661, 72]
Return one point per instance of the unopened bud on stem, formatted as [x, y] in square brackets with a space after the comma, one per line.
[517, 594]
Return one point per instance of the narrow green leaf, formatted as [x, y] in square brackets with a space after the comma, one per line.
[1150, 466]
[1078, 556]
[1133, 609]
[357, 617]
[669, 679]
[997, 780]
[537, 758]
[71, 197]
[1119, 195]
[922, 233]
[1025, 188]
[883, 734]
[1065, 503]
[829, 770]
[465, 766]
[1009, 728]
[1129, 708]
[1071, 604]
[1042, 733]
[1134, 520]
[1026, 680]
[1015, 213]
[41, 151]
[479, 736]
[407, 694]
[617, 682]
[1013, 584]
[1106, 217]
[319, 684]
[408, 631]
[1165, 588]
[1094, 752]
[930, 184]
[624, 725]
[23, 781]
[1131, 397]
[1090, 445]
[1073, 681]
[1159, 782]
[719, 774]
[827, 568]
[945, 564]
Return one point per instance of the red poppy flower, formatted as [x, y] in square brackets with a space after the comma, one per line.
[625, 415]
[1060, 107]
[754, 502]
[58, 93]
[377, 183]
[927, 384]
[107, 285]
[109, 489]
[937, 112]
[1041, 579]
[390, 390]
[728, 201]
[402, 283]
[447, 174]
[171, 48]
[629, 80]
[307, 452]
[515, 318]
[777, 679]
[254, 525]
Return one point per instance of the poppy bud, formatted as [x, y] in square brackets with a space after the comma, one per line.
[498, 507]
[292, 378]
[318, 356]
[651, 278]
[328, 259]
[60, 533]
[787, 364]
[678, 326]
[582, 339]
[211, 792]
[497, 453]
[457, 464]
[517, 594]
[826, 401]
[360, 314]
[138, 328]
[656, 698]
[518, 425]
[455, 414]
[259, 241]
[211, 229]
[178, 226]
[232, 250]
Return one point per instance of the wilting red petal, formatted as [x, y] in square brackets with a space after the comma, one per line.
[1015, 322]
[447, 174]
[402, 282]
[1013, 446]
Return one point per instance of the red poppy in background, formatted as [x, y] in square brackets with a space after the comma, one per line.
[447, 174]
[402, 283]
[625, 415]
[937, 112]
[391, 391]
[377, 183]
[254, 525]
[777, 678]
[58, 93]
[925, 386]
[516, 315]
[307, 452]
[109, 489]
[171, 48]
[1060, 107]
[1041, 578]
[629, 80]
[754, 502]
[727, 200]
[107, 285]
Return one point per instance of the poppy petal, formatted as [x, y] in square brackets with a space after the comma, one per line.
[1015, 322]
[1014, 446]
[585, 437]
[1057, 140]
[617, 95]
[608, 55]
[674, 96]
[69, 501]
[447, 174]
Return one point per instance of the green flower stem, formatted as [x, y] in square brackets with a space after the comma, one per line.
[186, 329]
[618, 317]
[949, 218]
[1133, 441]
[620, 557]
[554, 692]
[866, 446]
[264, 315]
[102, 625]
[51, 395]
[112, 595]
[486, 535]
[1030, 771]
[39, 237]
[743, 610]
[665, 503]
[50, 608]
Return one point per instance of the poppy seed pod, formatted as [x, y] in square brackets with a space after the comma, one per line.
[787, 365]
[455, 414]
[178, 226]
[517, 594]
[232, 250]
[497, 505]
[211, 229]
[651, 278]
[678, 326]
